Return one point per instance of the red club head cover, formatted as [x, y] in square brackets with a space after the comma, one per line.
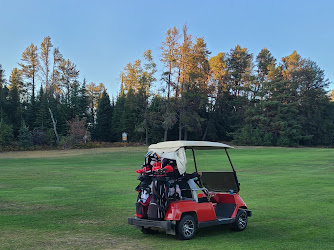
[157, 164]
[139, 171]
[156, 167]
[169, 169]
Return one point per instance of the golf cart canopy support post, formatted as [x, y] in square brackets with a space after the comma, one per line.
[235, 174]
[194, 160]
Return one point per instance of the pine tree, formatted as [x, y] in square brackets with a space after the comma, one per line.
[14, 110]
[43, 119]
[102, 131]
[2, 77]
[6, 134]
[118, 117]
[240, 70]
[83, 103]
[3, 95]
[24, 137]
[75, 99]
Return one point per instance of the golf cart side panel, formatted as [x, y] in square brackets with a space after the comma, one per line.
[204, 211]
[239, 204]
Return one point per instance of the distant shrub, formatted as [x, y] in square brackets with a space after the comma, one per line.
[77, 130]
[66, 142]
[24, 137]
[50, 137]
[38, 137]
[6, 134]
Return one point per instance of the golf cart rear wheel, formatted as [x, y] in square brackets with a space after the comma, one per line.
[186, 227]
[240, 221]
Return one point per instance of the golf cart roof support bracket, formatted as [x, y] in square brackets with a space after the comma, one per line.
[229, 159]
[198, 182]
[194, 160]
[235, 174]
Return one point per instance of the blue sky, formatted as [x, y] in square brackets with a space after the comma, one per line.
[101, 37]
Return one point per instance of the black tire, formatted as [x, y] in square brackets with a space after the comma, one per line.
[147, 230]
[240, 221]
[186, 227]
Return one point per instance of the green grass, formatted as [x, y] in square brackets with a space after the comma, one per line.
[82, 198]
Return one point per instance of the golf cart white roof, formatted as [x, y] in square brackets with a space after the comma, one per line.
[168, 145]
[176, 150]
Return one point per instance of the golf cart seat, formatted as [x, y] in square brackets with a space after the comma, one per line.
[193, 188]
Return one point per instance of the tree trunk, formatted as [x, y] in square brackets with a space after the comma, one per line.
[206, 131]
[33, 86]
[169, 76]
[180, 125]
[165, 135]
[54, 125]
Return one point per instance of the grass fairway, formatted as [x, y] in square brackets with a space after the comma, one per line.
[82, 198]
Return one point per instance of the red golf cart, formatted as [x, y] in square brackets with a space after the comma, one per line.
[214, 196]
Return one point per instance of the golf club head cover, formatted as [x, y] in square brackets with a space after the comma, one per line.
[169, 169]
[139, 171]
[157, 167]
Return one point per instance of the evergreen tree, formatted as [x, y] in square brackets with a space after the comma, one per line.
[24, 137]
[83, 102]
[118, 117]
[6, 134]
[240, 67]
[30, 114]
[102, 131]
[14, 110]
[3, 95]
[75, 99]
[43, 119]
[2, 77]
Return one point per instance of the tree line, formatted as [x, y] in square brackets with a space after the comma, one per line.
[232, 96]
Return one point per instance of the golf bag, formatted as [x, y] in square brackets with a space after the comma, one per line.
[143, 199]
[142, 204]
[159, 202]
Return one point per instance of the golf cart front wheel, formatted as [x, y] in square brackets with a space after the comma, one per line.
[240, 221]
[186, 227]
